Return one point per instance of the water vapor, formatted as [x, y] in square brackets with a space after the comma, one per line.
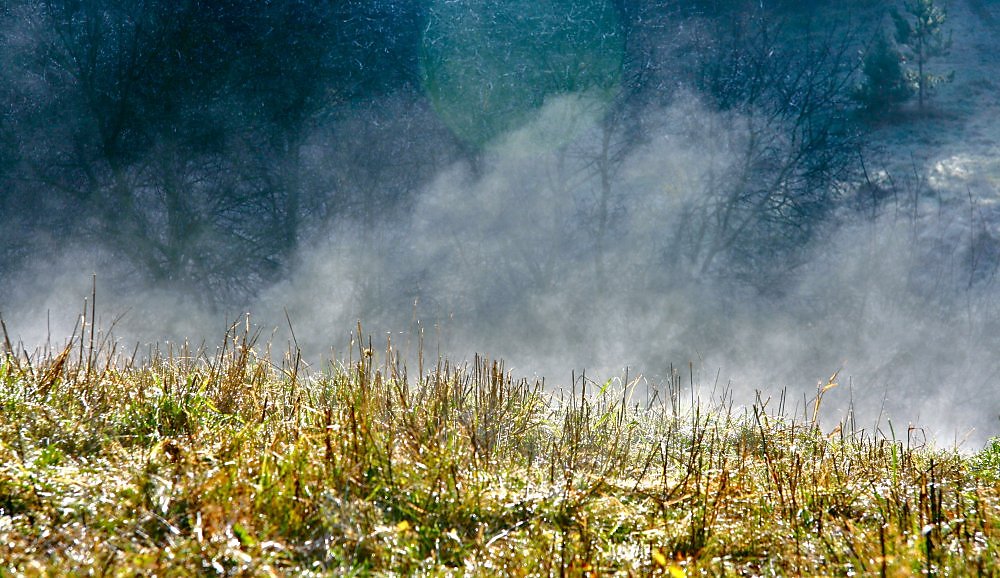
[568, 247]
[509, 257]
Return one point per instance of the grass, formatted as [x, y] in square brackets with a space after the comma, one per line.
[231, 463]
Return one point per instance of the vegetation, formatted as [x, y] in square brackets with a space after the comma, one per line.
[195, 144]
[921, 33]
[885, 85]
[234, 464]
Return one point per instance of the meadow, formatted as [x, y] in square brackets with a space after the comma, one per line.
[239, 461]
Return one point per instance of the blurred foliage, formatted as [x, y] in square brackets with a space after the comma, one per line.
[986, 464]
[199, 146]
[487, 66]
[173, 133]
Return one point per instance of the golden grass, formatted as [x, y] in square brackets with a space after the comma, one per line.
[236, 464]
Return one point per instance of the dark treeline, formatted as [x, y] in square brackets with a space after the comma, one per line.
[176, 135]
[198, 144]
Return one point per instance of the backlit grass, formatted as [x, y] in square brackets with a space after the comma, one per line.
[233, 463]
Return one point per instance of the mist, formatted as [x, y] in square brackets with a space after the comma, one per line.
[498, 261]
[656, 227]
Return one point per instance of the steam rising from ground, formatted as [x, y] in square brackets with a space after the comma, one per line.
[503, 259]
[526, 256]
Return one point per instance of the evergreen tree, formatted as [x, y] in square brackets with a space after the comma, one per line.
[920, 32]
[886, 85]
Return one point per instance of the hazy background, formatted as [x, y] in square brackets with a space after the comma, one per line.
[585, 185]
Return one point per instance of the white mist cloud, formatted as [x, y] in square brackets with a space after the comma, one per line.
[503, 258]
[499, 258]
[44, 304]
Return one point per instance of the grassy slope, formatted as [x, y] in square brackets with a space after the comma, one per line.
[233, 465]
